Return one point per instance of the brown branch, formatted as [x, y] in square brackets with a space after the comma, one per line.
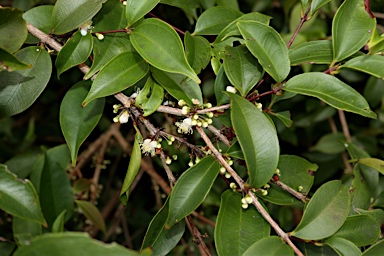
[197, 237]
[290, 190]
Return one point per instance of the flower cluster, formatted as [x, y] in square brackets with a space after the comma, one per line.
[148, 147]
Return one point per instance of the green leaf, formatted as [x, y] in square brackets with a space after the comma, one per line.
[161, 240]
[231, 217]
[58, 224]
[182, 3]
[92, 213]
[75, 51]
[232, 30]
[77, 122]
[21, 164]
[221, 83]
[135, 10]
[375, 249]
[268, 47]
[19, 197]
[40, 17]
[351, 28]
[360, 230]
[325, 213]
[197, 51]
[374, 163]
[133, 169]
[104, 50]
[313, 52]
[370, 64]
[271, 246]
[191, 189]
[68, 15]
[179, 86]
[343, 246]
[316, 5]
[258, 140]
[25, 230]
[55, 189]
[376, 42]
[19, 89]
[215, 19]
[295, 172]
[110, 17]
[71, 243]
[242, 69]
[13, 29]
[123, 71]
[330, 90]
[359, 189]
[235, 151]
[150, 97]
[285, 117]
[9, 62]
[160, 46]
[331, 143]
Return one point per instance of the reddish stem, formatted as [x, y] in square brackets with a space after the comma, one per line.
[367, 4]
[304, 19]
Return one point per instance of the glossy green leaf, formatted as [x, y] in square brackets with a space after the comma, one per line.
[370, 64]
[19, 89]
[21, 164]
[258, 140]
[360, 230]
[9, 62]
[104, 50]
[376, 42]
[374, 163]
[160, 46]
[343, 246]
[271, 246]
[268, 47]
[78, 122]
[110, 17]
[325, 213]
[68, 15]
[232, 30]
[25, 230]
[133, 169]
[310, 249]
[76, 50]
[231, 216]
[359, 190]
[40, 17]
[295, 172]
[215, 19]
[242, 69]
[313, 52]
[92, 213]
[285, 117]
[197, 51]
[19, 197]
[13, 29]
[182, 3]
[179, 86]
[71, 243]
[221, 83]
[375, 249]
[191, 189]
[123, 71]
[332, 143]
[55, 189]
[150, 97]
[161, 240]
[351, 28]
[58, 224]
[135, 10]
[316, 5]
[330, 90]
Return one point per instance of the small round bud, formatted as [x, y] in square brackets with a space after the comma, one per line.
[259, 106]
[181, 103]
[248, 199]
[230, 162]
[174, 157]
[227, 175]
[300, 188]
[194, 122]
[244, 206]
[267, 186]
[199, 123]
[195, 101]
[232, 185]
[158, 145]
[209, 121]
[244, 201]
[220, 150]
[264, 192]
[185, 110]
[169, 142]
[171, 138]
[116, 119]
[83, 31]
[168, 160]
[223, 170]
[209, 114]
[124, 2]
[205, 124]
[99, 36]
[190, 164]
[195, 116]
[277, 171]
[197, 160]
[208, 105]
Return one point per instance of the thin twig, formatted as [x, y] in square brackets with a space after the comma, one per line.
[290, 190]
[197, 238]
[303, 19]
[344, 125]
[171, 178]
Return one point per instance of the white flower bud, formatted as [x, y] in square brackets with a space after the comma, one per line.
[99, 36]
[195, 101]
[231, 89]
[227, 175]
[244, 206]
[300, 188]
[222, 170]
[181, 103]
[124, 117]
[174, 157]
[248, 199]
[232, 185]
[244, 201]
[83, 31]
[168, 160]
[185, 110]
[209, 114]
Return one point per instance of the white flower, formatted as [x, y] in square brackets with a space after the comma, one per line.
[83, 31]
[124, 117]
[185, 126]
[149, 147]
